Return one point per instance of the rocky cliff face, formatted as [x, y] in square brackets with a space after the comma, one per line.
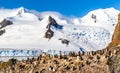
[116, 35]
[113, 60]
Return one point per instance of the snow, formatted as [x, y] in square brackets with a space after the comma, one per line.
[105, 18]
[27, 31]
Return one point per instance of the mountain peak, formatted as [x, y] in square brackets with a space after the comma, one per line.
[20, 11]
[53, 22]
[111, 8]
[91, 33]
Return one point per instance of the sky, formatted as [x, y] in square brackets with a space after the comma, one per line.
[66, 7]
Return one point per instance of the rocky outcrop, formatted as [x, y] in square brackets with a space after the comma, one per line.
[52, 22]
[5, 22]
[64, 41]
[113, 60]
[94, 17]
[116, 34]
[49, 33]
[2, 31]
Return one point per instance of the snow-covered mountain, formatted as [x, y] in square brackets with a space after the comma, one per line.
[30, 29]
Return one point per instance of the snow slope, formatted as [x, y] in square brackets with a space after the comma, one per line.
[91, 32]
[105, 18]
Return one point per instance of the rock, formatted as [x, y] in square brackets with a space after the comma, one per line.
[94, 17]
[5, 23]
[64, 41]
[36, 72]
[49, 33]
[116, 34]
[52, 22]
[113, 52]
[2, 32]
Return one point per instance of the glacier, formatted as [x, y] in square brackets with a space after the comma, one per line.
[20, 54]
